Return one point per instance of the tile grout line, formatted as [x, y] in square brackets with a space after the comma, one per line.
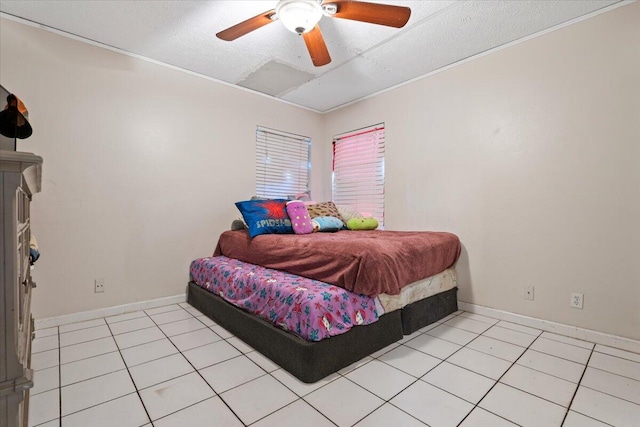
[98, 404]
[131, 377]
[610, 395]
[614, 373]
[168, 339]
[568, 343]
[89, 357]
[592, 350]
[299, 397]
[559, 357]
[577, 387]
[617, 375]
[94, 377]
[82, 342]
[280, 382]
[80, 329]
[591, 418]
[340, 375]
[619, 357]
[440, 363]
[543, 372]
[392, 397]
[526, 348]
[413, 382]
[506, 360]
[539, 397]
[118, 397]
[161, 339]
[197, 371]
[498, 382]
[144, 314]
[302, 397]
[516, 330]
[358, 385]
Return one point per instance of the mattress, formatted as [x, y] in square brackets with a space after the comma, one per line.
[369, 262]
[419, 290]
[309, 308]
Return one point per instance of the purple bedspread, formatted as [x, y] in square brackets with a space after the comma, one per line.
[311, 309]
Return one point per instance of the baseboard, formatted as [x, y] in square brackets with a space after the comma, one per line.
[107, 311]
[558, 328]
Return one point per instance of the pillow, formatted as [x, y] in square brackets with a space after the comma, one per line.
[238, 224]
[347, 212]
[324, 209]
[305, 196]
[265, 216]
[362, 224]
[300, 219]
[327, 223]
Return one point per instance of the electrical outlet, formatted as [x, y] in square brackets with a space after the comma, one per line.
[528, 292]
[576, 300]
[98, 286]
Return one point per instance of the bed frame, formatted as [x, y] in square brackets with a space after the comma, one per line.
[311, 361]
[424, 312]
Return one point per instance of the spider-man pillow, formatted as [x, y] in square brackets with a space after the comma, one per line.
[265, 216]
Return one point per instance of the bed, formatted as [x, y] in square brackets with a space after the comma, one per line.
[409, 274]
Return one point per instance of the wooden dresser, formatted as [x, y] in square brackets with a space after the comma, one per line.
[20, 178]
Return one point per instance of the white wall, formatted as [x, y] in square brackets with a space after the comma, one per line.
[531, 155]
[142, 165]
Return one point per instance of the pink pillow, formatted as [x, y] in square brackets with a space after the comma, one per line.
[300, 219]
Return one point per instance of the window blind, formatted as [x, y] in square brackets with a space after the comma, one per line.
[282, 163]
[358, 171]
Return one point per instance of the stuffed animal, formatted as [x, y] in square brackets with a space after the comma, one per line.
[362, 224]
[299, 216]
[327, 224]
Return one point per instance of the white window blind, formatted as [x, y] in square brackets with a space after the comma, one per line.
[358, 171]
[282, 163]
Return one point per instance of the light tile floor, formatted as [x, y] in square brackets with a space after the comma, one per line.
[171, 366]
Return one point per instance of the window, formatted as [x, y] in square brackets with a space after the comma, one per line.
[282, 163]
[358, 171]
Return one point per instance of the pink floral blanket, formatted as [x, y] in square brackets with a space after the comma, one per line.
[311, 309]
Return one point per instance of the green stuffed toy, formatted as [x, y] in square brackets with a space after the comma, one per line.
[362, 224]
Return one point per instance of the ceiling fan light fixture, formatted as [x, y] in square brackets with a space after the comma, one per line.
[299, 16]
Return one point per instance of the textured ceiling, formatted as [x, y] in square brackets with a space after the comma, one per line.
[366, 58]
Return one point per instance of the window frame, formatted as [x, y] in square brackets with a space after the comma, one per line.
[361, 184]
[292, 155]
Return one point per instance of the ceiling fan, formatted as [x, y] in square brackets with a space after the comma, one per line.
[302, 17]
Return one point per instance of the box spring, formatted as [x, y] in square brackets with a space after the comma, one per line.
[426, 311]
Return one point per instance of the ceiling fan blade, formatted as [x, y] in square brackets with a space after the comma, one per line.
[317, 47]
[373, 13]
[247, 26]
